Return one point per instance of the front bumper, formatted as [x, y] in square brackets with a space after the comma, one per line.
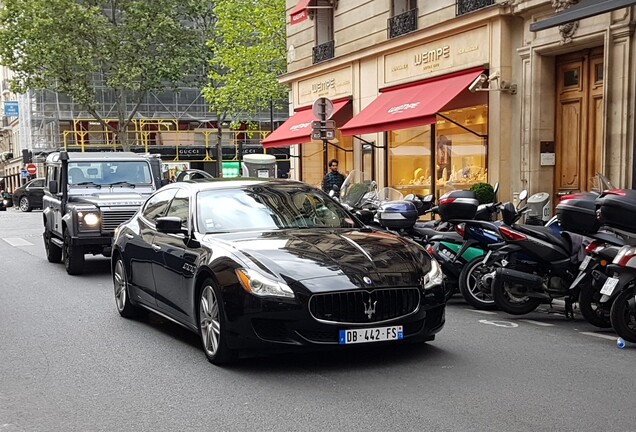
[275, 325]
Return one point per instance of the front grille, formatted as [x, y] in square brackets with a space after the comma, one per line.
[111, 219]
[361, 307]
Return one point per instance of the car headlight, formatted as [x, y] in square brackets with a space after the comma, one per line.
[260, 285]
[5, 202]
[434, 276]
[90, 219]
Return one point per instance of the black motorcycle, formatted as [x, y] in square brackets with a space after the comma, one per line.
[539, 265]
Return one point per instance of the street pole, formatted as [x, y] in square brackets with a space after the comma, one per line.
[323, 126]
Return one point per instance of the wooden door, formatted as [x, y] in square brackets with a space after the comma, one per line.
[579, 120]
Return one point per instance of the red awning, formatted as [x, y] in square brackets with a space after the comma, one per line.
[297, 129]
[299, 12]
[409, 106]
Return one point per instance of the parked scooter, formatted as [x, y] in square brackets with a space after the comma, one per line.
[539, 265]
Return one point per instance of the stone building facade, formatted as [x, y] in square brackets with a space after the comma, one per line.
[435, 96]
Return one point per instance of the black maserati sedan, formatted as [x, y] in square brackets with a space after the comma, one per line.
[259, 264]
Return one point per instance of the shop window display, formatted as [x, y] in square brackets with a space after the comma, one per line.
[450, 154]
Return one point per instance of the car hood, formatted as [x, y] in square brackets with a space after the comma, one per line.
[327, 260]
[112, 199]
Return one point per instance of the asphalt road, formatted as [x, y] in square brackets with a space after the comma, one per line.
[68, 362]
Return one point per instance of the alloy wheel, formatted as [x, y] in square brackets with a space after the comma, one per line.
[209, 320]
[24, 204]
[119, 278]
[479, 284]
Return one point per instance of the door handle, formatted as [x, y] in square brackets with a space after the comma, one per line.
[155, 247]
[129, 236]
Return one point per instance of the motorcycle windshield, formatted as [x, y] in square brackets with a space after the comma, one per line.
[356, 190]
[389, 194]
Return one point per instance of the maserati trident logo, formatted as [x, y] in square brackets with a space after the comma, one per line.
[369, 309]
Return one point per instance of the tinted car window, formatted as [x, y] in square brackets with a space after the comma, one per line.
[37, 183]
[268, 208]
[157, 204]
[180, 207]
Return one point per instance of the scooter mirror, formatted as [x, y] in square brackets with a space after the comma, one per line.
[523, 195]
[495, 189]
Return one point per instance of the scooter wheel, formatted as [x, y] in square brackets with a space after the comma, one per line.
[475, 284]
[623, 315]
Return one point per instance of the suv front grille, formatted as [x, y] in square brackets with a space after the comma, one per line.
[355, 307]
[111, 219]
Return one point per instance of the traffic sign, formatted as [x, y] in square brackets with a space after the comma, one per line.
[31, 169]
[322, 107]
[329, 124]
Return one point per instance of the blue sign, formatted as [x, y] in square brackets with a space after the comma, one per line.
[11, 109]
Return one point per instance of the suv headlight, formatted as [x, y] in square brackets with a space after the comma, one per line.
[89, 220]
[434, 276]
[260, 285]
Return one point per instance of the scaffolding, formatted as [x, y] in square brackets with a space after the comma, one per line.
[56, 121]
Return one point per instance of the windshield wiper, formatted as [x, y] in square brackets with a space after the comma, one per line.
[89, 183]
[132, 185]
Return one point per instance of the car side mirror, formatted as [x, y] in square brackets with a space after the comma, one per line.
[53, 188]
[170, 225]
[365, 216]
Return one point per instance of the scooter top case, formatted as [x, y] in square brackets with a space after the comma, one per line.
[578, 215]
[458, 204]
[617, 209]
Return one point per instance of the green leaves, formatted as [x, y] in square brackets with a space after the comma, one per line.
[134, 46]
[249, 46]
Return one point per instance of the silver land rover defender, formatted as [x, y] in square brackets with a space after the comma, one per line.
[87, 195]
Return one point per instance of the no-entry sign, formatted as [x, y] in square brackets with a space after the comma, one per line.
[31, 169]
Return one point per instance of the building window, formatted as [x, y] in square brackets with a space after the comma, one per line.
[467, 6]
[324, 49]
[403, 18]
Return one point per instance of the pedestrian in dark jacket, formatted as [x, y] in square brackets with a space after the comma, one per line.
[333, 177]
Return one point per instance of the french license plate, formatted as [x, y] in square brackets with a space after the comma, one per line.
[377, 334]
[585, 263]
[609, 286]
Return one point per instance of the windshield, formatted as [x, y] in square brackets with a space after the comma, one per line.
[390, 194]
[601, 183]
[109, 173]
[268, 207]
[356, 191]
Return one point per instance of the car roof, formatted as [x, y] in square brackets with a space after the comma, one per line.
[97, 156]
[240, 182]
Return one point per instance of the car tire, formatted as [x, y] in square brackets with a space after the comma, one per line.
[470, 284]
[623, 315]
[73, 256]
[24, 204]
[212, 325]
[122, 294]
[53, 251]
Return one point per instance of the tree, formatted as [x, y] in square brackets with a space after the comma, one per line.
[133, 46]
[249, 54]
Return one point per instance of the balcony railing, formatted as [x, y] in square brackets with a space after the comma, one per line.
[324, 52]
[468, 6]
[402, 24]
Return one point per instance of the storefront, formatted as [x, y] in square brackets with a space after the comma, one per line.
[431, 133]
[310, 156]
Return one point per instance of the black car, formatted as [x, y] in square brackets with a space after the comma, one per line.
[5, 200]
[257, 264]
[29, 196]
